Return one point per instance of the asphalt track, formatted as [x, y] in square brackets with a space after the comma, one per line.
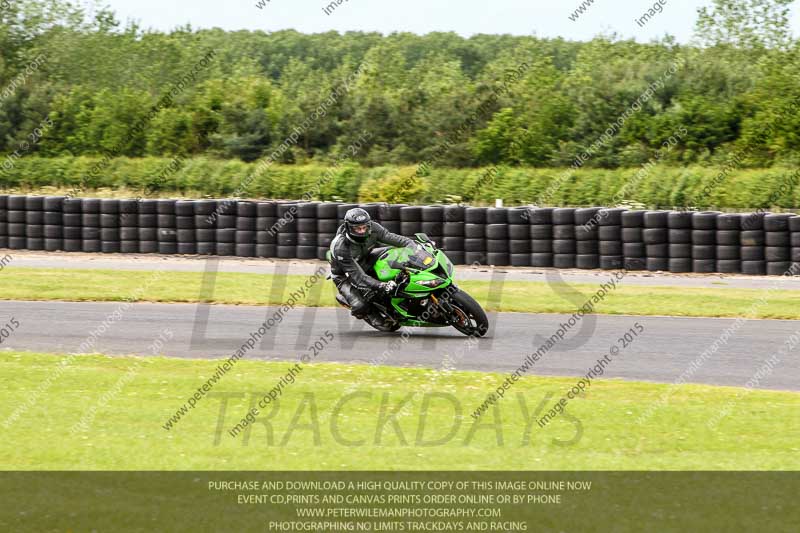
[664, 351]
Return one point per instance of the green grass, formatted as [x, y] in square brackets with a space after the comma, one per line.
[127, 432]
[517, 296]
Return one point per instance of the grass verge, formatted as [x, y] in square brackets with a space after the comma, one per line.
[124, 429]
[517, 296]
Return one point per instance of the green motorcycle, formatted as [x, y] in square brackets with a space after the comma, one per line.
[426, 294]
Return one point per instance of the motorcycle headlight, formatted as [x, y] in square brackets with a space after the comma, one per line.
[430, 282]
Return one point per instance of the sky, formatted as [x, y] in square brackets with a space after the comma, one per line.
[543, 18]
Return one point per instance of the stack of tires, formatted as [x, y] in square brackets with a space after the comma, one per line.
[167, 227]
[634, 252]
[17, 227]
[778, 243]
[794, 239]
[148, 226]
[246, 218]
[90, 225]
[519, 237]
[564, 247]
[475, 236]
[389, 215]
[497, 247]
[307, 230]
[410, 219]
[679, 224]
[729, 234]
[433, 223]
[453, 230]
[655, 238]
[704, 242]
[205, 226]
[752, 245]
[609, 235]
[541, 234]
[587, 248]
[328, 225]
[3, 221]
[185, 229]
[72, 219]
[110, 237]
[287, 230]
[53, 220]
[34, 221]
[128, 226]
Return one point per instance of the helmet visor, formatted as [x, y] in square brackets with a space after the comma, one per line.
[359, 230]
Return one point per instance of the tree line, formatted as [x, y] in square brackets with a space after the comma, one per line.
[94, 79]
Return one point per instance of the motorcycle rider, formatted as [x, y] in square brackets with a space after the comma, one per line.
[353, 251]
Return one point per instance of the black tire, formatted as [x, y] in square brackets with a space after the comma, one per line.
[655, 219]
[587, 215]
[410, 228]
[187, 248]
[286, 239]
[53, 232]
[453, 243]
[706, 220]
[17, 217]
[704, 252]
[411, 213]
[541, 231]
[704, 236]
[129, 207]
[679, 220]
[774, 254]
[17, 243]
[16, 230]
[34, 243]
[73, 245]
[249, 223]
[542, 246]
[167, 248]
[92, 246]
[519, 232]
[612, 262]
[433, 213]
[564, 260]
[497, 259]
[16, 202]
[678, 251]
[74, 232]
[654, 235]
[610, 248]
[456, 257]
[453, 229]
[753, 238]
[587, 261]
[632, 219]
[564, 232]
[729, 266]
[72, 206]
[186, 235]
[165, 206]
[582, 233]
[287, 252]
[90, 234]
[208, 248]
[540, 216]
[470, 319]
[777, 238]
[110, 234]
[611, 216]
[519, 260]
[729, 237]
[324, 240]
[475, 231]
[167, 235]
[342, 209]
[226, 222]
[564, 247]
[751, 253]
[609, 233]
[53, 218]
[73, 219]
[680, 265]
[474, 258]
[541, 259]
[587, 247]
[563, 216]
[704, 266]
[519, 247]
[228, 249]
[148, 234]
[518, 216]
[182, 222]
[128, 247]
[110, 247]
[323, 226]
[303, 239]
[497, 231]
[108, 221]
[777, 222]
[249, 250]
[795, 255]
[51, 203]
[433, 229]
[728, 253]
[90, 220]
[227, 235]
[53, 245]
[497, 215]
[34, 203]
[657, 250]
[635, 263]
[634, 249]
[90, 205]
[754, 268]
[729, 222]
[475, 215]
[475, 245]
[395, 226]
[34, 232]
[794, 240]
[679, 236]
[204, 207]
[148, 207]
[304, 225]
[657, 264]
[165, 221]
[778, 268]
[794, 224]
[385, 212]
[34, 218]
[147, 220]
[497, 246]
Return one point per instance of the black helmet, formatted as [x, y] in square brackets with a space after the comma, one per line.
[357, 225]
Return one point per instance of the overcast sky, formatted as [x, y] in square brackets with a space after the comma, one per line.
[545, 18]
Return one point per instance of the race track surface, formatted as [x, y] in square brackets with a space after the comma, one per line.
[664, 351]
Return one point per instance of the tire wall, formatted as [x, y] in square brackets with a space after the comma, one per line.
[586, 238]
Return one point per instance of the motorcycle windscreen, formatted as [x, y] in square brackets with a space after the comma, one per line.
[410, 258]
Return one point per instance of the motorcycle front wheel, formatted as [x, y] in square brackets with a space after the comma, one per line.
[468, 316]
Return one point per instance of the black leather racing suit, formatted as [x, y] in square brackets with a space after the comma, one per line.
[350, 260]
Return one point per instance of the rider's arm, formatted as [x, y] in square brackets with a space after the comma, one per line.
[385, 236]
[356, 275]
